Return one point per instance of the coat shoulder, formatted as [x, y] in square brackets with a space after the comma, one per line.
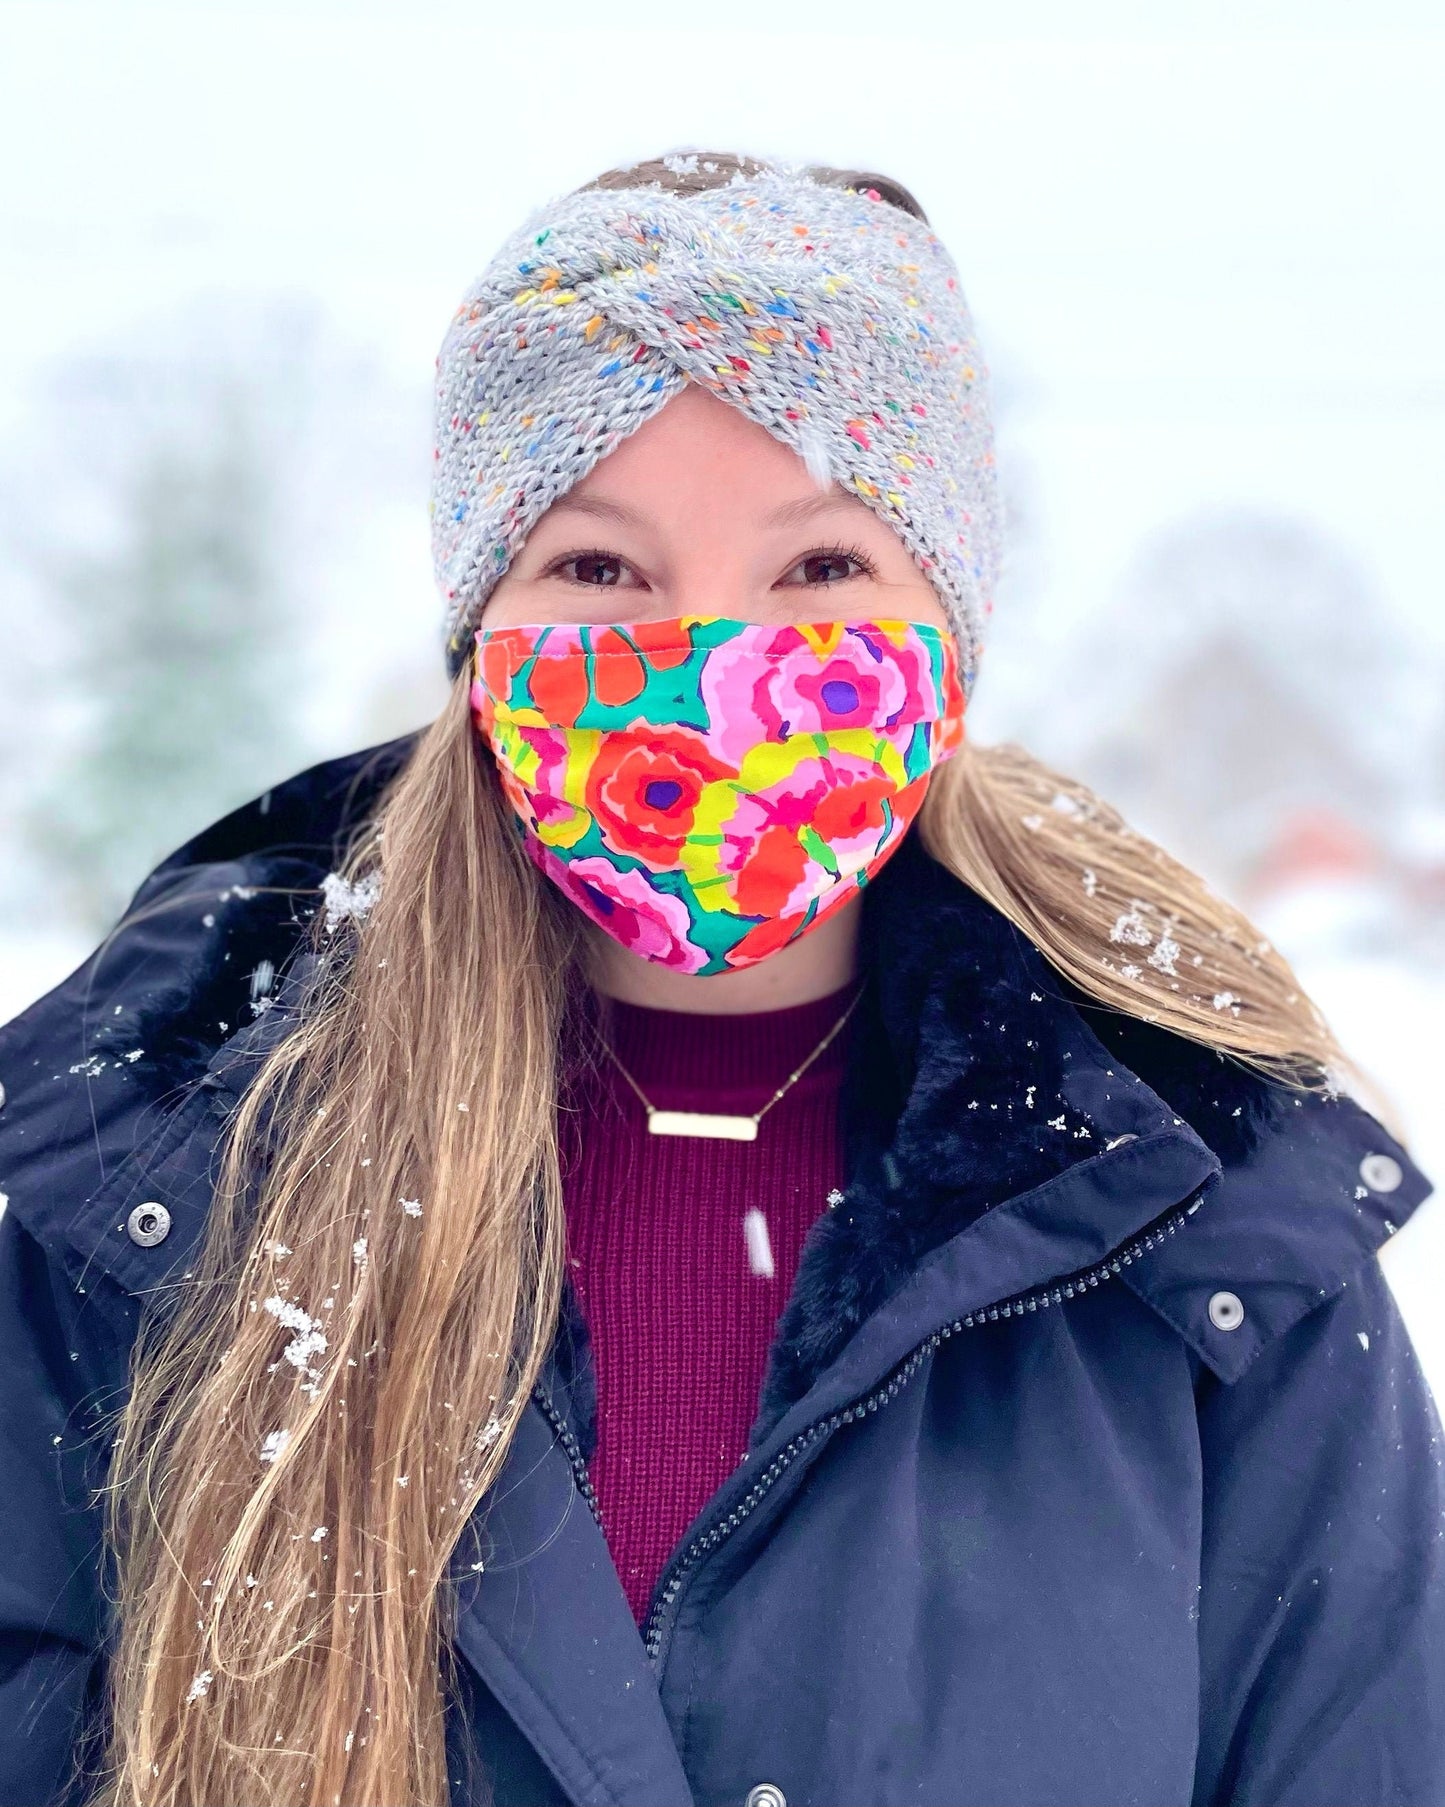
[100, 1072]
[1312, 1186]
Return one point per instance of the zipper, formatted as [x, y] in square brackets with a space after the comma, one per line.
[1052, 1294]
[573, 1449]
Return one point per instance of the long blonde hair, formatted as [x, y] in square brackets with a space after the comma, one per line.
[307, 1434]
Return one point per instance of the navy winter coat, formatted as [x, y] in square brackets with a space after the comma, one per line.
[1093, 1464]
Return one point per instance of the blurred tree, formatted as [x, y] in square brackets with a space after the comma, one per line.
[174, 635]
[192, 591]
[1227, 751]
[1247, 672]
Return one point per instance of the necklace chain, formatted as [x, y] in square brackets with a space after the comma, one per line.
[796, 1074]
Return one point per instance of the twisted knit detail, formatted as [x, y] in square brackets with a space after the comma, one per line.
[828, 315]
[665, 1265]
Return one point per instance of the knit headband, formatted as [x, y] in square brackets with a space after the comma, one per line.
[830, 316]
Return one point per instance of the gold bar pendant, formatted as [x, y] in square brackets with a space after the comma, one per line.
[703, 1123]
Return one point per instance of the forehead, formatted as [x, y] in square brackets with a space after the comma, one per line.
[698, 435]
[703, 458]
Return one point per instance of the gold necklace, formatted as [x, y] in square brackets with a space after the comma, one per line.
[718, 1123]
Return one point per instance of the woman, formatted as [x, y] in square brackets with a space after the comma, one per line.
[584, 1255]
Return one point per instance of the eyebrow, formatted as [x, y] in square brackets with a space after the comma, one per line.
[788, 514]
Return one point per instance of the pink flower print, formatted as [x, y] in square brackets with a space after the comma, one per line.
[864, 681]
[853, 688]
[545, 786]
[650, 922]
[734, 684]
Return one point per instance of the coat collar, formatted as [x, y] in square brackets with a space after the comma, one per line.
[979, 1077]
[982, 1079]
[972, 1081]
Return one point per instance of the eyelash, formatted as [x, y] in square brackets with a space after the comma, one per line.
[856, 553]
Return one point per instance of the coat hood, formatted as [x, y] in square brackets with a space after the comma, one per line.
[986, 1094]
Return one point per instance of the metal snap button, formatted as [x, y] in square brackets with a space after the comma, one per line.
[2, 1097]
[1381, 1172]
[1226, 1311]
[765, 1794]
[148, 1224]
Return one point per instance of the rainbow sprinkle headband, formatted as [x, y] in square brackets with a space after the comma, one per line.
[828, 315]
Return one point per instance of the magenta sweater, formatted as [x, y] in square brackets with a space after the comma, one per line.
[680, 1309]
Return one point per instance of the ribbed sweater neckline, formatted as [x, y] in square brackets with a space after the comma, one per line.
[742, 1057]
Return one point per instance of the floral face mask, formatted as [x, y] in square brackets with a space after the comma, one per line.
[708, 790]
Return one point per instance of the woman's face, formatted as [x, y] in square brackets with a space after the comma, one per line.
[701, 511]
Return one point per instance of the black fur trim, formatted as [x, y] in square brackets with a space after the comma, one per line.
[974, 1077]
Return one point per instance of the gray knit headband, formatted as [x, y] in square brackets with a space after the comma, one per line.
[831, 317]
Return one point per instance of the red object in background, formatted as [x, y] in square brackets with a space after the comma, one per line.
[1314, 845]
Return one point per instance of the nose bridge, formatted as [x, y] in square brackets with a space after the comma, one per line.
[728, 602]
[716, 567]
[711, 570]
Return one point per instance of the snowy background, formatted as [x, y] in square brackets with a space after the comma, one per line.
[1204, 250]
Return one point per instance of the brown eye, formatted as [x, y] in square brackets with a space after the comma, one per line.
[817, 567]
[589, 564]
[826, 565]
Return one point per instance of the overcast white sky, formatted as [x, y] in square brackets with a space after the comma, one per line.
[1206, 241]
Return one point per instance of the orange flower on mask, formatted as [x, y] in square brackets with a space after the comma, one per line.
[850, 813]
[643, 790]
[774, 932]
